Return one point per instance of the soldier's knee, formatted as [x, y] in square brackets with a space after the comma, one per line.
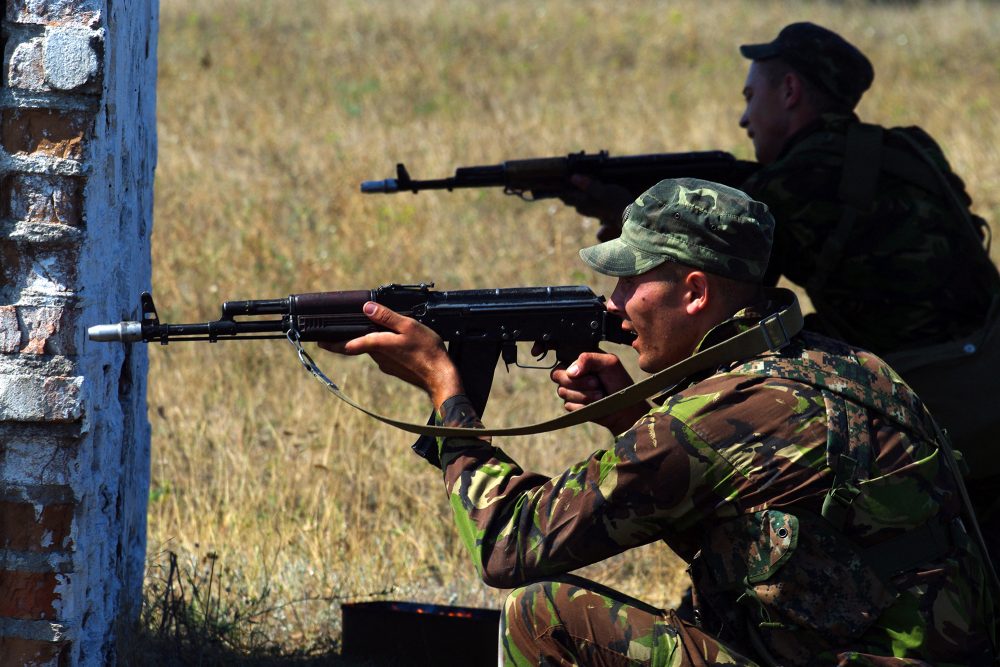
[523, 623]
[519, 607]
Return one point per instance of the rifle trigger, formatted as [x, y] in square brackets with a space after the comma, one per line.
[508, 352]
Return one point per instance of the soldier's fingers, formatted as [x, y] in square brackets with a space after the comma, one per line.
[562, 377]
[370, 343]
[385, 317]
[590, 363]
[579, 397]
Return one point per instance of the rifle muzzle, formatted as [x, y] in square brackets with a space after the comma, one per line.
[387, 186]
[124, 332]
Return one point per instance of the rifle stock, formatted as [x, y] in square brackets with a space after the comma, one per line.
[540, 178]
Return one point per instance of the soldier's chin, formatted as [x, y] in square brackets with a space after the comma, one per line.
[646, 365]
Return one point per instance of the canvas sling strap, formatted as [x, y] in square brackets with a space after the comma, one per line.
[770, 334]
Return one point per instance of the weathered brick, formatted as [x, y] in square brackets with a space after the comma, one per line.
[32, 461]
[27, 398]
[36, 330]
[26, 68]
[28, 595]
[45, 132]
[63, 58]
[10, 330]
[27, 271]
[16, 652]
[49, 329]
[54, 12]
[25, 527]
[70, 59]
[43, 198]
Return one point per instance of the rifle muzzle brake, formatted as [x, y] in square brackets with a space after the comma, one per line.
[387, 186]
[125, 332]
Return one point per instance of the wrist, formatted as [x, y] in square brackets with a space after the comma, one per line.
[445, 386]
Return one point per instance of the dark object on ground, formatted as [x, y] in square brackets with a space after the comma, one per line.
[415, 634]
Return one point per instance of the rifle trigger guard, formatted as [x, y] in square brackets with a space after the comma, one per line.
[508, 352]
[539, 358]
[520, 194]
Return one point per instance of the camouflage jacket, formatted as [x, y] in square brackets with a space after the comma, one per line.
[909, 274]
[731, 472]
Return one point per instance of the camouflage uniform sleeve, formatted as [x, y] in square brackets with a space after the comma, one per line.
[660, 479]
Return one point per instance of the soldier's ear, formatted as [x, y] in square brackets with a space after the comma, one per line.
[697, 292]
[791, 89]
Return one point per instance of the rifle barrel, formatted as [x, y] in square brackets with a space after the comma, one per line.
[393, 185]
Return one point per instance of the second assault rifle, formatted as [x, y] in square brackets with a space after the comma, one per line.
[480, 326]
[540, 178]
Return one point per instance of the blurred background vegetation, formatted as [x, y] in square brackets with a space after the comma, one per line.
[272, 502]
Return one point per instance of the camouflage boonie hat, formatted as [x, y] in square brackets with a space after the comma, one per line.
[697, 223]
[822, 56]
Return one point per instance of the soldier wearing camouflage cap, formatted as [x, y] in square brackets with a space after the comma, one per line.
[804, 485]
[691, 222]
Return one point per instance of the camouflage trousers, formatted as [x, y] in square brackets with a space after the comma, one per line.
[578, 622]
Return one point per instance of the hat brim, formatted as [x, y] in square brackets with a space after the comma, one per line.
[619, 259]
[760, 51]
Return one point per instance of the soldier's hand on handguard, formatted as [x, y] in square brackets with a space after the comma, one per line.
[594, 199]
[408, 350]
[591, 377]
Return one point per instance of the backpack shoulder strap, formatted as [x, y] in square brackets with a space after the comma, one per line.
[858, 185]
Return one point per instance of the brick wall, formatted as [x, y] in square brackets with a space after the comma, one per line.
[77, 153]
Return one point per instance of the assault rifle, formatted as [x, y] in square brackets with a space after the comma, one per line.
[539, 178]
[480, 326]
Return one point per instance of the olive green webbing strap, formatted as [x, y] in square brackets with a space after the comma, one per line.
[856, 191]
[772, 333]
[949, 459]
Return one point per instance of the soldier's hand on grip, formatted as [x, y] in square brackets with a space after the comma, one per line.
[603, 201]
[591, 377]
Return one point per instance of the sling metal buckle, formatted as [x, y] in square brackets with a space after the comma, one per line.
[772, 344]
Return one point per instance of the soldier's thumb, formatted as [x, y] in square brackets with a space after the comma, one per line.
[590, 363]
[381, 315]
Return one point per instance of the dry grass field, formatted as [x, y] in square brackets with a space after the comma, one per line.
[270, 115]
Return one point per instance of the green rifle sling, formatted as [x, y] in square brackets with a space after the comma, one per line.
[771, 333]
